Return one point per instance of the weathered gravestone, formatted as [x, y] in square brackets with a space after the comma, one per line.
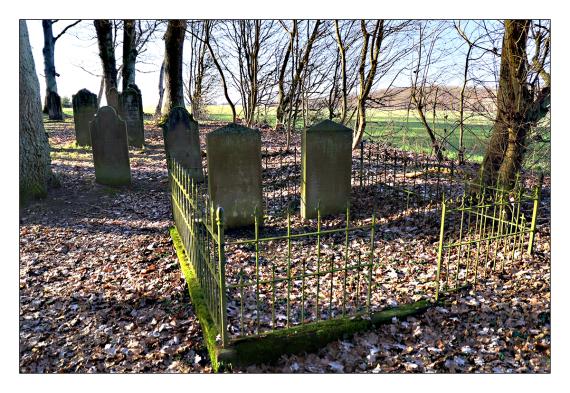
[182, 142]
[326, 160]
[234, 173]
[110, 149]
[53, 106]
[84, 109]
[113, 99]
[131, 111]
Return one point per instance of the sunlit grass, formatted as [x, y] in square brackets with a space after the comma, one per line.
[402, 129]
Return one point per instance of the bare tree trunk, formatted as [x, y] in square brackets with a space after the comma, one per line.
[49, 56]
[174, 45]
[461, 153]
[516, 109]
[282, 105]
[104, 29]
[367, 81]
[35, 171]
[158, 110]
[129, 53]
[197, 75]
[101, 90]
[342, 51]
[52, 104]
[333, 93]
[283, 69]
[219, 68]
[436, 146]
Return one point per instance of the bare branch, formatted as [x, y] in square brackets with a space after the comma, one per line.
[67, 28]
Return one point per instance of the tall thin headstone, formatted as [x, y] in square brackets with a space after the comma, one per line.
[131, 111]
[84, 110]
[234, 173]
[110, 149]
[182, 141]
[326, 161]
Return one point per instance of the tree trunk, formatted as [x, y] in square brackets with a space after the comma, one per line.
[104, 29]
[52, 104]
[341, 48]
[281, 79]
[129, 53]
[158, 110]
[434, 143]
[220, 71]
[516, 110]
[282, 105]
[35, 171]
[461, 153]
[198, 105]
[101, 90]
[174, 45]
[367, 81]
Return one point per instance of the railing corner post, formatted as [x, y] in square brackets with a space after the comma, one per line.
[536, 203]
[440, 248]
[222, 274]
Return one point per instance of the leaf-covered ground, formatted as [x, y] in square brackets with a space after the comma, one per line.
[101, 290]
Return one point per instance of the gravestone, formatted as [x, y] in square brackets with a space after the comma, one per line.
[53, 106]
[326, 161]
[234, 173]
[84, 109]
[113, 98]
[182, 141]
[110, 149]
[131, 111]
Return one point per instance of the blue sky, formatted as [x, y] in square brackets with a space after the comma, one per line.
[78, 48]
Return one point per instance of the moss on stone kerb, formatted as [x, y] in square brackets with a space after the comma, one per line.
[198, 301]
[270, 346]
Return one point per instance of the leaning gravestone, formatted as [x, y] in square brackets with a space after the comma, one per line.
[182, 142]
[234, 173]
[131, 111]
[326, 160]
[84, 109]
[110, 149]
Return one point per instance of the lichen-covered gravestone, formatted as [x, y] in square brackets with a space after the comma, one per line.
[84, 109]
[234, 173]
[326, 160]
[182, 142]
[132, 113]
[110, 149]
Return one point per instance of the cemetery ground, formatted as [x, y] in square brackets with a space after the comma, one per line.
[101, 289]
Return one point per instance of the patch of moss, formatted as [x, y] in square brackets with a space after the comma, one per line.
[269, 347]
[197, 296]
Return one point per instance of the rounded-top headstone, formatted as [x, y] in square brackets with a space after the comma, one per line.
[326, 161]
[84, 109]
[234, 173]
[110, 149]
[131, 111]
[182, 142]
[114, 99]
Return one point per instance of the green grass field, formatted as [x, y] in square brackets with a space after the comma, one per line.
[405, 131]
